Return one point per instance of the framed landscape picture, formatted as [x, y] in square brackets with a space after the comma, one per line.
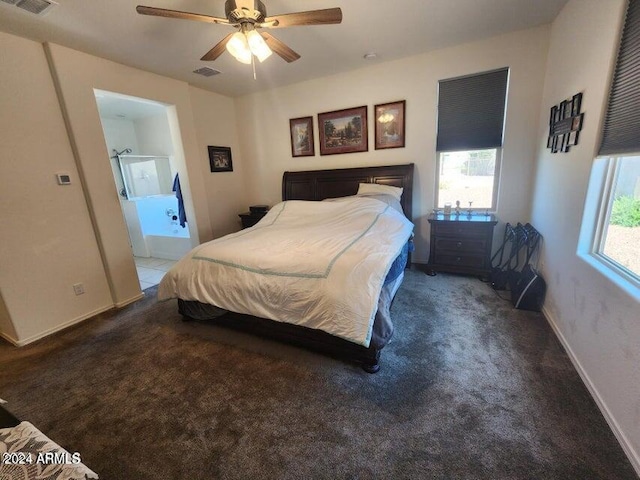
[343, 131]
[301, 130]
[220, 159]
[390, 125]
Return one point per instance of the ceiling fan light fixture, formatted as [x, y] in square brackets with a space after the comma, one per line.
[258, 46]
[239, 48]
[246, 16]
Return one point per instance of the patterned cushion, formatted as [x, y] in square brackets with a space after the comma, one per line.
[26, 453]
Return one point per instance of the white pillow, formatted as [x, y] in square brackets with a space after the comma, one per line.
[373, 188]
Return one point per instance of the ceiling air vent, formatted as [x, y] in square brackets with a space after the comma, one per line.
[39, 7]
[207, 72]
[11, 2]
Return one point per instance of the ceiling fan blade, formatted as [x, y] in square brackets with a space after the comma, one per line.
[218, 50]
[313, 17]
[280, 48]
[162, 12]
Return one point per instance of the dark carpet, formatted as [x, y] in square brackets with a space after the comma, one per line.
[469, 389]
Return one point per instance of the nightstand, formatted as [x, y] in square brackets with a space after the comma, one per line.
[461, 244]
[249, 219]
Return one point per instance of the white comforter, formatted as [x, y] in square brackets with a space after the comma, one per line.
[317, 264]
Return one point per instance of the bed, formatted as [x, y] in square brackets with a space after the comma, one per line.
[361, 242]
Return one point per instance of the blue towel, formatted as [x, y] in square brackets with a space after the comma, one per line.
[181, 214]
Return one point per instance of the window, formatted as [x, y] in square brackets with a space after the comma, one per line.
[610, 237]
[468, 176]
[471, 112]
[618, 231]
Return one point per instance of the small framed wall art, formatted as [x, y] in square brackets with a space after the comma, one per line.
[565, 124]
[343, 131]
[301, 130]
[390, 125]
[220, 159]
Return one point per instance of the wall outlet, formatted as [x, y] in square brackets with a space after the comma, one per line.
[78, 288]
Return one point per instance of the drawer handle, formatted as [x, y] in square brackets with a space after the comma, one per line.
[459, 244]
[458, 259]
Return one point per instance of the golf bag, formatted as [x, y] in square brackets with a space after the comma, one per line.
[528, 289]
[527, 286]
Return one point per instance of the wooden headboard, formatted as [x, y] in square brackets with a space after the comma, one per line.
[342, 182]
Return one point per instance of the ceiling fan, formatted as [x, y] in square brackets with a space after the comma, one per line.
[248, 16]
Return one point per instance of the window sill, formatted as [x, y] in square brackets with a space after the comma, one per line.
[613, 273]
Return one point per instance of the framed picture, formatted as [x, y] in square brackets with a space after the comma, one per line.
[220, 159]
[576, 103]
[301, 130]
[390, 125]
[565, 123]
[343, 131]
[576, 123]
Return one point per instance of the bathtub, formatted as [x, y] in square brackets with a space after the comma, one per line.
[167, 246]
[152, 229]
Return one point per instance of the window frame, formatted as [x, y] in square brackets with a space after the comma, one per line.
[609, 179]
[496, 179]
[606, 166]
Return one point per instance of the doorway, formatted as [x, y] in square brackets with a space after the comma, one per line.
[138, 137]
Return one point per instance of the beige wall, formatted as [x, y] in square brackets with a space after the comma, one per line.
[49, 238]
[215, 121]
[48, 243]
[77, 75]
[264, 118]
[597, 321]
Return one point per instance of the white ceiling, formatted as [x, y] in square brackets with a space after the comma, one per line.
[393, 29]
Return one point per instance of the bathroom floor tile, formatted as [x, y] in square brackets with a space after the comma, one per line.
[143, 261]
[145, 274]
[151, 270]
[159, 262]
[155, 279]
[166, 266]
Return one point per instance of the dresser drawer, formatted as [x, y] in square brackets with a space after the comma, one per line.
[462, 260]
[461, 229]
[461, 244]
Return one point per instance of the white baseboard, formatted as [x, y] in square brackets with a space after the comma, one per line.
[9, 338]
[21, 343]
[26, 341]
[631, 453]
[126, 302]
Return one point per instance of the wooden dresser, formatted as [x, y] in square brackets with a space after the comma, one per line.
[461, 244]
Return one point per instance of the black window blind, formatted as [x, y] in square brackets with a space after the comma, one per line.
[471, 111]
[621, 131]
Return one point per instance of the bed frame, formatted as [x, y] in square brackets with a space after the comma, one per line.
[318, 185]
